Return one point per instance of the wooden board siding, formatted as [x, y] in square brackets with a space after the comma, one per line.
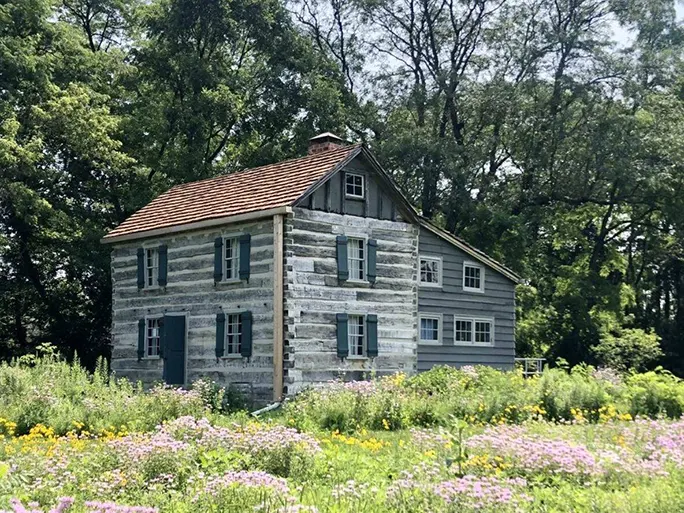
[331, 196]
[498, 302]
[191, 290]
[313, 297]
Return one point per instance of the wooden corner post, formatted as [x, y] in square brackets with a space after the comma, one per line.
[278, 319]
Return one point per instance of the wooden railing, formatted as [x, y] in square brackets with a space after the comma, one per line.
[530, 366]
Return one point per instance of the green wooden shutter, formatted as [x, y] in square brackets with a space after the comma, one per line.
[218, 259]
[372, 335]
[245, 246]
[246, 340]
[163, 264]
[342, 263]
[342, 335]
[220, 334]
[141, 339]
[372, 260]
[141, 268]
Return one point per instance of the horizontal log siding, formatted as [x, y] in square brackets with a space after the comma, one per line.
[191, 289]
[498, 302]
[313, 296]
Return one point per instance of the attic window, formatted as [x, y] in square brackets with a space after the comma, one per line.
[355, 186]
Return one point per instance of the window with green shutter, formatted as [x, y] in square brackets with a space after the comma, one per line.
[246, 335]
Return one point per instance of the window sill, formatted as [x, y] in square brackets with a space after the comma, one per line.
[357, 358]
[151, 358]
[232, 357]
[429, 343]
[358, 282]
[476, 344]
[474, 291]
[430, 285]
[232, 281]
[354, 198]
[152, 288]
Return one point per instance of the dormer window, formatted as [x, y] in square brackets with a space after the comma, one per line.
[473, 277]
[355, 186]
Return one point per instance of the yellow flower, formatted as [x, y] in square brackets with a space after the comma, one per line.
[385, 424]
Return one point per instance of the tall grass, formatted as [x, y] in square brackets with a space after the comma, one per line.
[487, 396]
[65, 397]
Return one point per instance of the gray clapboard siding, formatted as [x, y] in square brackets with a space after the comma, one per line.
[497, 302]
[330, 197]
[313, 296]
[191, 290]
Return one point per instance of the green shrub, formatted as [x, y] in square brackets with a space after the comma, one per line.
[65, 397]
[486, 396]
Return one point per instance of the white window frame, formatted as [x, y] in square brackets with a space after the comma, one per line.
[364, 239]
[226, 353]
[440, 271]
[479, 290]
[236, 258]
[363, 185]
[151, 273]
[148, 319]
[351, 336]
[474, 321]
[440, 328]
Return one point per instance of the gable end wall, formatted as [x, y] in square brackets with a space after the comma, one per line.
[191, 290]
[314, 295]
[497, 302]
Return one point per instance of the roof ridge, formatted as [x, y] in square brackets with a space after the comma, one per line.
[273, 164]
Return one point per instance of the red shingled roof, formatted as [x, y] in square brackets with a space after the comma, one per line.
[251, 190]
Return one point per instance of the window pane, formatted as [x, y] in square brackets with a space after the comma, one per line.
[233, 334]
[151, 266]
[472, 277]
[356, 335]
[232, 258]
[357, 259]
[152, 341]
[429, 330]
[483, 332]
[463, 330]
[429, 271]
[354, 185]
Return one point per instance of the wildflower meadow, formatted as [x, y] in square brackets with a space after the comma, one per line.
[472, 439]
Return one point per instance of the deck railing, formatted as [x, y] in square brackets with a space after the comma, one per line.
[530, 366]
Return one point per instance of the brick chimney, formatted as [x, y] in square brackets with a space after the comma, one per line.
[325, 142]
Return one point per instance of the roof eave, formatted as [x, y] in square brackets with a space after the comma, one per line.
[198, 225]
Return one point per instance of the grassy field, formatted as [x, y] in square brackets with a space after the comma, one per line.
[446, 441]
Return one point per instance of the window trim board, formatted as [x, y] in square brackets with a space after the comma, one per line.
[148, 318]
[440, 320]
[440, 261]
[224, 268]
[347, 174]
[474, 321]
[226, 354]
[470, 263]
[364, 355]
[365, 238]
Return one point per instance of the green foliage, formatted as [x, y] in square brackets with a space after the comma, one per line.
[66, 398]
[488, 396]
[630, 349]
